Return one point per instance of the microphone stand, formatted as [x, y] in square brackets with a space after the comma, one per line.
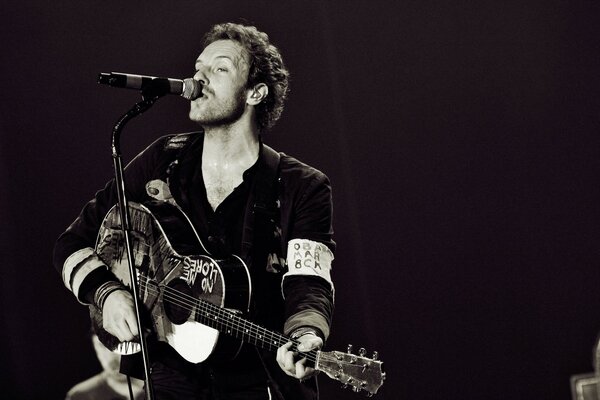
[150, 93]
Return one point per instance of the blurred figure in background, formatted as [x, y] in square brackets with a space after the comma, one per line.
[109, 384]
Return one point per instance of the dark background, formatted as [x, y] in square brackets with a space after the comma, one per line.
[461, 139]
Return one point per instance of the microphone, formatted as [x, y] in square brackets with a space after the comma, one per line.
[188, 88]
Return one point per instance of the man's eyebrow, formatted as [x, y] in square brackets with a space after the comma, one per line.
[198, 61]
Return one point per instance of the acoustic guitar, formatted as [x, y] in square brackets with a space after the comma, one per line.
[190, 299]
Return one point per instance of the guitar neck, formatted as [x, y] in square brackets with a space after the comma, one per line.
[228, 322]
[352, 370]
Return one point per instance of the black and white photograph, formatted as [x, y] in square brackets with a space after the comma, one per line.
[300, 200]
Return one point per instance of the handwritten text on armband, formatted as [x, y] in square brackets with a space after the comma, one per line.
[307, 257]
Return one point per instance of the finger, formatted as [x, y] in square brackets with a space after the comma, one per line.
[110, 325]
[281, 352]
[309, 342]
[118, 329]
[124, 334]
[124, 326]
[300, 368]
[131, 325]
[285, 359]
[130, 329]
[289, 365]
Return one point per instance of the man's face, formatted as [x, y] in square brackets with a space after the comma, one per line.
[110, 361]
[223, 70]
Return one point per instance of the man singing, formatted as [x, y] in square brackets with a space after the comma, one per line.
[242, 198]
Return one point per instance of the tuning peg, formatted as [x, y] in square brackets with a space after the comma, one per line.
[349, 349]
[356, 389]
[375, 355]
[347, 383]
[362, 352]
[369, 394]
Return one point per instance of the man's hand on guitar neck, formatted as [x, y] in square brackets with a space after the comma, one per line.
[288, 359]
[118, 316]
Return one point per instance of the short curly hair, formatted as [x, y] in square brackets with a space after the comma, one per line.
[266, 66]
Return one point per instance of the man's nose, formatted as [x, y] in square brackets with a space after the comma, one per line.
[200, 76]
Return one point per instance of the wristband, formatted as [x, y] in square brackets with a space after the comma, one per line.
[104, 290]
[304, 330]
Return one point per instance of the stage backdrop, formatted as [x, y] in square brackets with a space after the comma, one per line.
[461, 139]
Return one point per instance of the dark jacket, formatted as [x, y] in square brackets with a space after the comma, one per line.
[303, 196]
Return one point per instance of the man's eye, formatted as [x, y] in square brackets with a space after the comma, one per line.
[221, 69]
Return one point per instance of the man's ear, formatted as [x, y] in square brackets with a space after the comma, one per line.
[257, 94]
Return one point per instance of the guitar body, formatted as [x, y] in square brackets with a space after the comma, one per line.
[190, 299]
[176, 276]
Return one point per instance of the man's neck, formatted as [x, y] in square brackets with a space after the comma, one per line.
[225, 157]
[230, 147]
[119, 384]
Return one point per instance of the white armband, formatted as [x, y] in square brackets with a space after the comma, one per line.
[309, 258]
[78, 266]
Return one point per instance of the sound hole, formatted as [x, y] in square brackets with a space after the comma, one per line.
[177, 301]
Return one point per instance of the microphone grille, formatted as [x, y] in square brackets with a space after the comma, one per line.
[192, 89]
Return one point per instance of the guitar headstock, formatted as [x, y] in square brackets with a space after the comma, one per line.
[356, 371]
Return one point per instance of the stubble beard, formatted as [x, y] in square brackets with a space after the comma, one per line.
[222, 113]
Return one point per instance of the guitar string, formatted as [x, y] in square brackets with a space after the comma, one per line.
[187, 302]
[228, 320]
[255, 332]
[179, 298]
